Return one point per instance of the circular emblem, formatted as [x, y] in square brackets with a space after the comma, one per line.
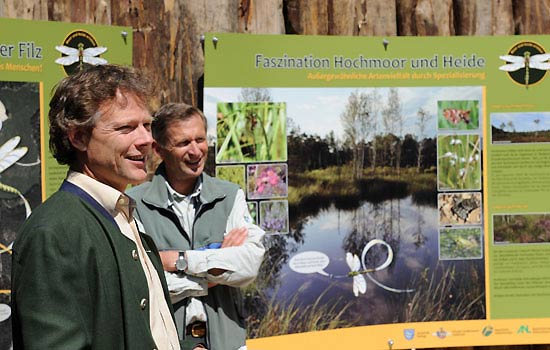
[527, 63]
[78, 50]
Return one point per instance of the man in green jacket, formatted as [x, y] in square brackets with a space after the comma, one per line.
[83, 275]
[209, 244]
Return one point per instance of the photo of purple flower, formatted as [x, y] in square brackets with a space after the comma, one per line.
[274, 216]
[267, 181]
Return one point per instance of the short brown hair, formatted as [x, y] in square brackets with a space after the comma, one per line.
[78, 99]
[169, 113]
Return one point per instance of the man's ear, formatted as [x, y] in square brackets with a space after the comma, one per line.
[78, 139]
[159, 151]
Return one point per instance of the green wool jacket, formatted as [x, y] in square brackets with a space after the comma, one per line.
[223, 304]
[76, 282]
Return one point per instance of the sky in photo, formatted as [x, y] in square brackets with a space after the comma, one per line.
[522, 122]
[317, 111]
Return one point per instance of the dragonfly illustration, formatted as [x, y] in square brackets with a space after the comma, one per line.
[539, 61]
[81, 55]
[9, 155]
[3, 114]
[359, 283]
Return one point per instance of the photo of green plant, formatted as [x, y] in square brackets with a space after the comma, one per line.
[253, 210]
[521, 228]
[458, 115]
[459, 162]
[232, 173]
[267, 181]
[274, 216]
[460, 243]
[362, 167]
[251, 132]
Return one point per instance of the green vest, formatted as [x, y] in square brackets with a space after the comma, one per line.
[223, 304]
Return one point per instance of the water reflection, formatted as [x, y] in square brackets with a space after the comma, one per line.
[407, 222]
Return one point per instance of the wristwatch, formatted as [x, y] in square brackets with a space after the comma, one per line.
[181, 262]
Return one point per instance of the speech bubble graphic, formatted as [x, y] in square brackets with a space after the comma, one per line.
[309, 262]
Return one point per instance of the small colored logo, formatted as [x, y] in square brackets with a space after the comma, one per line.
[441, 333]
[408, 333]
[526, 63]
[79, 49]
[487, 331]
[523, 329]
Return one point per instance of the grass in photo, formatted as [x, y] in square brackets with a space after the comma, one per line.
[458, 115]
[459, 244]
[459, 162]
[253, 210]
[232, 173]
[251, 132]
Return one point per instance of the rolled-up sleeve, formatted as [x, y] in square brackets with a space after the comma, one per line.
[242, 262]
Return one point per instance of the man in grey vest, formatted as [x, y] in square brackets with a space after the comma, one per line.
[209, 244]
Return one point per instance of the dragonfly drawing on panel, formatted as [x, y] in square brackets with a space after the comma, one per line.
[81, 55]
[515, 63]
[9, 155]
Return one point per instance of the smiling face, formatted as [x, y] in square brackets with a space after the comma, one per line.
[184, 153]
[115, 152]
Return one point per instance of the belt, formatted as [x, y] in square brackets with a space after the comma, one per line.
[196, 329]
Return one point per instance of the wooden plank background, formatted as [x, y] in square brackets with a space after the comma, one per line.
[167, 32]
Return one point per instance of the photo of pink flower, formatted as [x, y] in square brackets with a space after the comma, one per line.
[267, 181]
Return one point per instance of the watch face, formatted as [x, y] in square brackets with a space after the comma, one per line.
[181, 263]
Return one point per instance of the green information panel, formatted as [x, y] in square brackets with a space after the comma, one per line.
[402, 182]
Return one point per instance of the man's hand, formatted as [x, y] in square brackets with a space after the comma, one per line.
[234, 238]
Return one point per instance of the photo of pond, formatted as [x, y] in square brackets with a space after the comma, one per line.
[362, 246]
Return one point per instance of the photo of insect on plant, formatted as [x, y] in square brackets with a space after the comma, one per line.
[458, 115]
[460, 243]
[253, 210]
[459, 208]
[274, 216]
[232, 173]
[251, 132]
[459, 162]
[267, 181]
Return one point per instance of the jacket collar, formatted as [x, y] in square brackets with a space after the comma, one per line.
[157, 193]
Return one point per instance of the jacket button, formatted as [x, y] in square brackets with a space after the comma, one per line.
[143, 304]
[135, 255]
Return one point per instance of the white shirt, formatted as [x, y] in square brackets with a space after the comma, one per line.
[241, 263]
[163, 328]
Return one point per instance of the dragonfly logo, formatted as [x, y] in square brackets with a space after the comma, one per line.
[78, 50]
[526, 63]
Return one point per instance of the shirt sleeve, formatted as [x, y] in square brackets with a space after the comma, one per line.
[182, 286]
[241, 263]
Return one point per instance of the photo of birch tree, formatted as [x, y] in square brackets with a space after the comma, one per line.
[362, 166]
